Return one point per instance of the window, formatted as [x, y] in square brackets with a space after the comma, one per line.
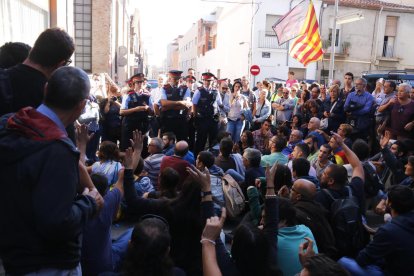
[271, 19]
[336, 39]
[83, 34]
[265, 54]
[389, 36]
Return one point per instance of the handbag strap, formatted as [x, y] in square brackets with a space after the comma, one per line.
[333, 106]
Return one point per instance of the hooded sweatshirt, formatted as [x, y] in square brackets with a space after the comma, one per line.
[41, 213]
[392, 245]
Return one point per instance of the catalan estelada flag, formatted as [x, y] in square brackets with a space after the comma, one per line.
[307, 45]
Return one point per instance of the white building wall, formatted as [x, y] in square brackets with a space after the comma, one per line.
[187, 47]
[234, 26]
[279, 63]
[229, 58]
[366, 38]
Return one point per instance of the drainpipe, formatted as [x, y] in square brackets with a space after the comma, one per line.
[376, 39]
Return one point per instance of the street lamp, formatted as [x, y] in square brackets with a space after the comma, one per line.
[338, 20]
[249, 62]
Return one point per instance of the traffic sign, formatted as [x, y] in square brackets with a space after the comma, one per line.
[255, 70]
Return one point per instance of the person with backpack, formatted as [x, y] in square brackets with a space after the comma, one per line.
[391, 250]
[345, 202]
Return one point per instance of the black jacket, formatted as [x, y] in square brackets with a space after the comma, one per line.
[41, 213]
[315, 216]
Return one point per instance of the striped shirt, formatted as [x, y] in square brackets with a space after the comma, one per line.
[152, 165]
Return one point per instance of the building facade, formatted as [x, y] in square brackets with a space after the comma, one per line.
[377, 42]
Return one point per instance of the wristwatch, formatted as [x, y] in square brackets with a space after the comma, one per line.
[204, 194]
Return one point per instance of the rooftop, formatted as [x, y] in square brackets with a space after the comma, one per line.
[372, 5]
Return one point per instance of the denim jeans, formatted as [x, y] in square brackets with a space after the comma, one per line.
[356, 270]
[235, 128]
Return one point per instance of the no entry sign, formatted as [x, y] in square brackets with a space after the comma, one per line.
[255, 70]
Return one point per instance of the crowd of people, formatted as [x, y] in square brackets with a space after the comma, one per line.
[295, 168]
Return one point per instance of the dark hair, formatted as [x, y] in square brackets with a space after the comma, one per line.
[284, 130]
[140, 166]
[207, 158]
[169, 180]
[108, 151]
[52, 47]
[361, 149]
[291, 73]
[13, 53]
[280, 143]
[234, 84]
[300, 119]
[250, 251]
[101, 183]
[287, 211]
[350, 74]
[327, 146]
[304, 148]
[222, 134]
[321, 265]
[402, 147]
[67, 87]
[301, 167]
[283, 176]
[226, 146]
[250, 139]
[338, 174]
[170, 135]
[314, 85]
[307, 95]
[401, 198]
[393, 85]
[148, 250]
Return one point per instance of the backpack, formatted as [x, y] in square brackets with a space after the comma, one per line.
[350, 234]
[233, 196]
[373, 182]
[6, 93]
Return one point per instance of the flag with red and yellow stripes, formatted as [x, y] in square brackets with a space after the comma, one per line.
[306, 47]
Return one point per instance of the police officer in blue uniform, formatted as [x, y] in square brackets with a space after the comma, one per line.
[206, 104]
[175, 105]
[135, 108]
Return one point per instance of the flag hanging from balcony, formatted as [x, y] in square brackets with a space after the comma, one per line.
[306, 45]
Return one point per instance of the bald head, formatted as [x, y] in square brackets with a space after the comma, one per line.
[314, 123]
[181, 148]
[303, 188]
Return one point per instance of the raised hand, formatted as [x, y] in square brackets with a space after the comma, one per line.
[204, 177]
[337, 138]
[137, 141]
[270, 175]
[128, 160]
[306, 250]
[213, 226]
[385, 139]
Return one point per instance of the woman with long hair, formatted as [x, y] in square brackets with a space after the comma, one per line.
[261, 111]
[246, 141]
[108, 164]
[238, 103]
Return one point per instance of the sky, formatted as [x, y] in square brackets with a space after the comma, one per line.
[164, 20]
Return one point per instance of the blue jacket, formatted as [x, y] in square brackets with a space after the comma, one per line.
[42, 215]
[392, 246]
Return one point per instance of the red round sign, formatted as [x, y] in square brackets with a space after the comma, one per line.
[255, 70]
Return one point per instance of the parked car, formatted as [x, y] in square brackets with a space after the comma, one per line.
[398, 76]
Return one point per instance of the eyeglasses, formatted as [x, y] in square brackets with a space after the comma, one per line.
[138, 81]
[67, 62]
[224, 88]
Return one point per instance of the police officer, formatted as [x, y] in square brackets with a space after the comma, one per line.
[135, 107]
[175, 104]
[206, 104]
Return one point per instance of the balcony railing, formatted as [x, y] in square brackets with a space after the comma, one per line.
[269, 40]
